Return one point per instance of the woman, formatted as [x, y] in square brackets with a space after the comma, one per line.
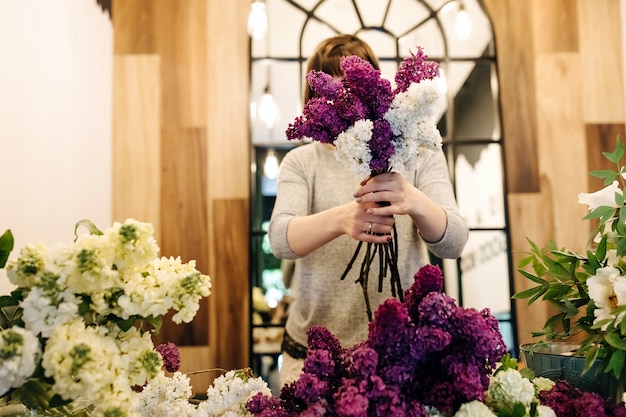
[322, 209]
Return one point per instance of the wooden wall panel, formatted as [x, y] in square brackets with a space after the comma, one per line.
[556, 16]
[184, 216]
[136, 139]
[515, 46]
[134, 25]
[561, 141]
[231, 283]
[601, 60]
[183, 50]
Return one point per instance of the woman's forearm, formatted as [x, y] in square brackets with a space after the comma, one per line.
[307, 233]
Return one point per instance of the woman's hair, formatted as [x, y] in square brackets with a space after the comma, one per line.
[327, 56]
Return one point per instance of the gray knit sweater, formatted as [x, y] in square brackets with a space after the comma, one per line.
[312, 180]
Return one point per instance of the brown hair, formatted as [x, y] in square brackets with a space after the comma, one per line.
[328, 53]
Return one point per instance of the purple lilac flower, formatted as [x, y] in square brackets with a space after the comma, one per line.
[324, 84]
[309, 388]
[414, 69]
[319, 362]
[381, 146]
[171, 356]
[436, 309]
[569, 401]
[266, 406]
[350, 402]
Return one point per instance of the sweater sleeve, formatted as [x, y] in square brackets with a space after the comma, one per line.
[292, 200]
[433, 180]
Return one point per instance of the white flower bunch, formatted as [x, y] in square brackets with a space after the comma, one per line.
[19, 354]
[230, 392]
[82, 299]
[412, 118]
[227, 397]
[509, 391]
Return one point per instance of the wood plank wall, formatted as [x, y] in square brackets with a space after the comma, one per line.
[181, 157]
[562, 90]
[181, 151]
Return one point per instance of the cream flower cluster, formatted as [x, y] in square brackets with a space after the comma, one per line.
[19, 354]
[412, 118]
[169, 397]
[82, 299]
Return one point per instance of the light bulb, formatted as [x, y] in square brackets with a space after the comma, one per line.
[266, 110]
[257, 20]
[463, 25]
[270, 167]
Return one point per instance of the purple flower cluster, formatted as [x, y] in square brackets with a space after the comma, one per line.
[569, 401]
[425, 352]
[171, 356]
[360, 95]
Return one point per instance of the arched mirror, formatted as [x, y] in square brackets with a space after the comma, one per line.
[455, 33]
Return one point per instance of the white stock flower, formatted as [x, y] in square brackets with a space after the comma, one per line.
[474, 409]
[607, 288]
[84, 362]
[20, 356]
[603, 197]
[43, 310]
[30, 263]
[352, 147]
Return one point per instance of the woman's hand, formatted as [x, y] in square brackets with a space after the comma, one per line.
[362, 225]
[390, 194]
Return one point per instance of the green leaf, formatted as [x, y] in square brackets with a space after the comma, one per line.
[617, 153]
[532, 277]
[557, 291]
[535, 292]
[6, 246]
[604, 213]
[606, 174]
[616, 363]
[89, 225]
[615, 340]
[8, 301]
[621, 247]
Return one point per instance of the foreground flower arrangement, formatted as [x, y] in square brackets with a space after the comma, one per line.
[76, 333]
[589, 290]
[375, 129]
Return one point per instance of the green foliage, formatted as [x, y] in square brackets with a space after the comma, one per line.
[560, 277]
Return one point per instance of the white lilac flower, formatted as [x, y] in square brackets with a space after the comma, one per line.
[230, 392]
[19, 355]
[607, 288]
[603, 197]
[474, 409]
[166, 397]
[508, 388]
[84, 361]
[352, 147]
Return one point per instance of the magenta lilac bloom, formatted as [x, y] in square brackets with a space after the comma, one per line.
[422, 354]
[171, 356]
[362, 94]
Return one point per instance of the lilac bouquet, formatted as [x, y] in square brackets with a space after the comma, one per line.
[375, 129]
[421, 355]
